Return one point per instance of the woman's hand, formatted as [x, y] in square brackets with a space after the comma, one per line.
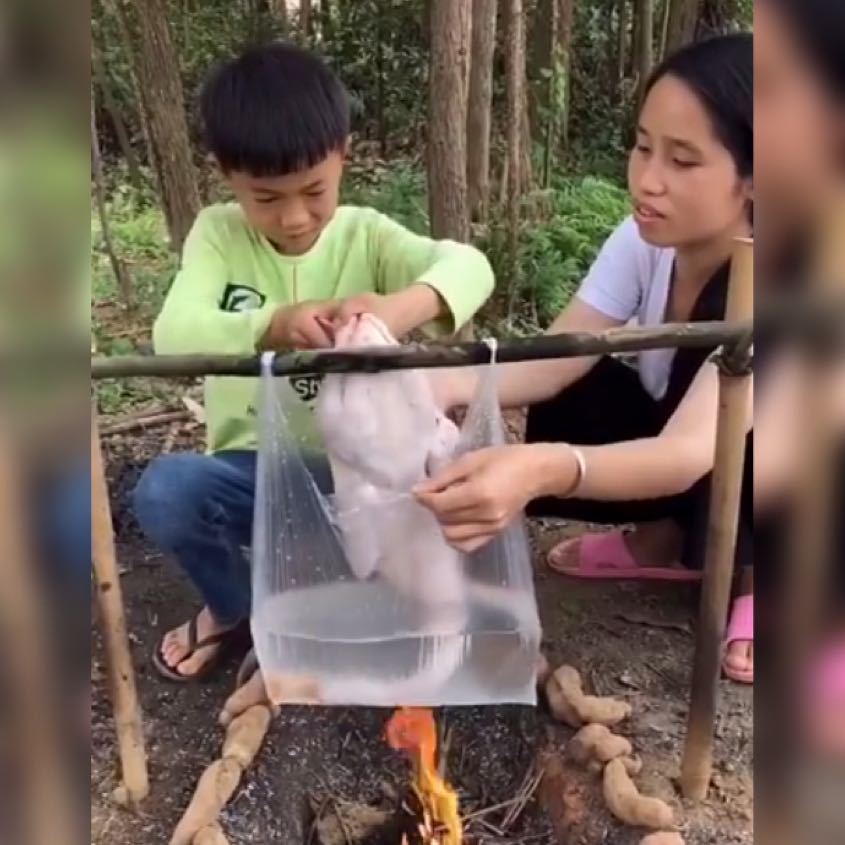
[480, 494]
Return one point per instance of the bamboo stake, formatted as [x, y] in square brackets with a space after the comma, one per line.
[567, 345]
[127, 712]
[815, 504]
[723, 520]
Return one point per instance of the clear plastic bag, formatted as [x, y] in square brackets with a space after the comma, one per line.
[412, 623]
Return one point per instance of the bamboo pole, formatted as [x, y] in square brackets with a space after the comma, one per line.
[723, 520]
[410, 356]
[127, 712]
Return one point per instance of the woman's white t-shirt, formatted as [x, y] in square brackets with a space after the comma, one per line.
[631, 279]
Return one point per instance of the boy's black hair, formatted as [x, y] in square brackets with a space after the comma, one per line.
[720, 72]
[273, 110]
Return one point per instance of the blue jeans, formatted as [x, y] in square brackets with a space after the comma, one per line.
[64, 514]
[199, 509]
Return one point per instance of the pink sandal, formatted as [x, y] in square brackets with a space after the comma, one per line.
[606, 556]
[740, 629]
[827, 674]
[825, 699]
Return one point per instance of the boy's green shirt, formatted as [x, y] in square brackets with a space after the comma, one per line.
[231, 280]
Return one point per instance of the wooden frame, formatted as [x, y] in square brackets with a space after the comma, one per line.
[734, 388]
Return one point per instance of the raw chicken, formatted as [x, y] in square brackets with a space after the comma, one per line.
[384, 433]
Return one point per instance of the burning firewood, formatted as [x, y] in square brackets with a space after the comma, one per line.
[413, 730]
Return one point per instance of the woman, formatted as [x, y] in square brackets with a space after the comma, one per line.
[606, 443]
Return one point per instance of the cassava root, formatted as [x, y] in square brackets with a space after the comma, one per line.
[663, 837]
[210, 835]
[216, 786]
[597, 742]
[569, 703]
[245, 735]
[623, 799]
[543, 670]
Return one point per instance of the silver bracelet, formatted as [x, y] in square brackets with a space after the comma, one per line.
[582, 471]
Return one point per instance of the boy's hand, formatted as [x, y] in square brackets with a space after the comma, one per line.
[401, 312]
[306, 325]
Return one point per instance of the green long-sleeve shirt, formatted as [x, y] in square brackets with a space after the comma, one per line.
[232, 279]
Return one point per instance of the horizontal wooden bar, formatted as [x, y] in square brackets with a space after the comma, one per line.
[425, 355]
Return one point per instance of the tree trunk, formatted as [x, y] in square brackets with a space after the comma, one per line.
[547, 78]
[644, 10]
[514, 78]
[326, 23]
[124, 285]
[526, 175]
[447, 160]
[683, 17]
[305, 19]
[158, 73]
[119, 124]
[622, 23]
[381, 123]
[115, 7]
[663, 37]
[280, 9]
[566, 39]
[480, 105]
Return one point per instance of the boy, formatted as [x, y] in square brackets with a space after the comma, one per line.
[274, 271]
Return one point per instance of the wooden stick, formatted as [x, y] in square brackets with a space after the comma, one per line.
[723, 521]
[127, 712]
[815, 504]
[568, 345]
[145, 422]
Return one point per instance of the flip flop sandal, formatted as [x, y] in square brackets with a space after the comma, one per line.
[605, 556]
[740, 629]
[229, 639]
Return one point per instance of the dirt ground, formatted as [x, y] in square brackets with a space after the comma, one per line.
[630, 640]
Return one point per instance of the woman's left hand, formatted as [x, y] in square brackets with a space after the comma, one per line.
[479, 495]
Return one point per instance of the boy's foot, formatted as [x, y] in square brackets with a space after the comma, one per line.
[192, 650]
[642, 554]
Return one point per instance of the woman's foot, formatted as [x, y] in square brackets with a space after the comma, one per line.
[191, 649]
[652, 551]
[738, 662]
[825, 699]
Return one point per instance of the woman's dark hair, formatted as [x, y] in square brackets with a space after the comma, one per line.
[273, 110]
[720, 71]
[819, 29]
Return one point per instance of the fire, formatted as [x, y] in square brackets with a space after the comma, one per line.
[413, 730]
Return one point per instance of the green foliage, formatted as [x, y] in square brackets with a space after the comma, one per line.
[555, 253]
[140, 239]
[398, 190]
[379, 48]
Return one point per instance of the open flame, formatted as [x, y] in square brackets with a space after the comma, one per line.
[413, 730]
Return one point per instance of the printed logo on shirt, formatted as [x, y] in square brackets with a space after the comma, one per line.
[241, 298]
[307, 388]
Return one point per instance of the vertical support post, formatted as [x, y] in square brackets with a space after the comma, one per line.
[723, 520]
[127, 712]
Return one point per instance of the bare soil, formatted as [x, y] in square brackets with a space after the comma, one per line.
[630, 640]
